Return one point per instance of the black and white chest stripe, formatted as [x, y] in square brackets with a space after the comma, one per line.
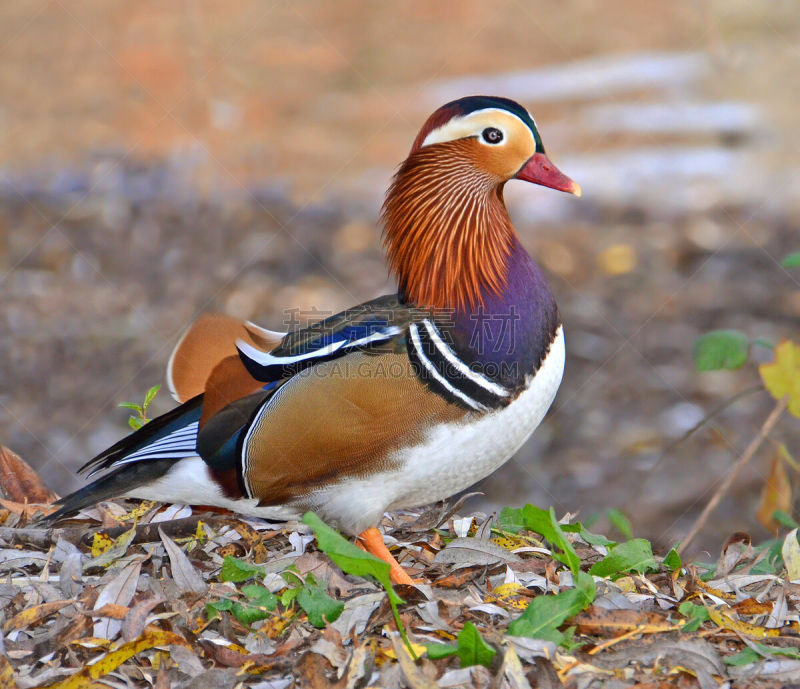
[440, 367]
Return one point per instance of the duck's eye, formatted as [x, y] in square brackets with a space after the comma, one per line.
[492, 135]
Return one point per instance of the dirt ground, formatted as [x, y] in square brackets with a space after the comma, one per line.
[160, 160]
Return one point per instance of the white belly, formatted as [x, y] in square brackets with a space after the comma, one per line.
[452, 458]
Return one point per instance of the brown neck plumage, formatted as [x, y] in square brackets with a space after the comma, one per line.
[446, 229]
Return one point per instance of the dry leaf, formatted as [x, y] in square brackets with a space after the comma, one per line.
[776, 495]
[460, 578]
[356, 613]
[185, 575]
[697, 654]
[360, 666]
[230, 656]
[112, 610]
[466, 552]
[513, 671]
[750, 606]
[600, 621]
[120, 591]
[28, 509]
[413, 674]
[313, 671]
[187, 661]
[791, 555]
[136, 619]
[19, 482]
[33, 616]
[736, 547]
[6, 674]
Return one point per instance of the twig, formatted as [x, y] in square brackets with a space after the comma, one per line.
[79, 535]
[41, 538]
[724, 487]
[148, 533]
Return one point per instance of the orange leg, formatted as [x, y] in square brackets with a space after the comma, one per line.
[371, 540]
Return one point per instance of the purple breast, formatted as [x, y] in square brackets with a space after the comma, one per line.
[507, 338]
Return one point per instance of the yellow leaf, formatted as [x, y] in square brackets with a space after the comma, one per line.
[727, 622]
[137, 512]
[715, 592]
[791, 555]
[626, 584]
[776, 495]
[509, 542]
[419, 650]
[782, 376]
[100, 543]
[91, 642]
[6, 674]
[510, 596]
[617, 259]
[36, 614]
[112, 660]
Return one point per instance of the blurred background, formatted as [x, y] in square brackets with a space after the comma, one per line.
[159, 160]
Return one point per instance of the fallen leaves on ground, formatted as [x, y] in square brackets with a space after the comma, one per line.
[167, 597]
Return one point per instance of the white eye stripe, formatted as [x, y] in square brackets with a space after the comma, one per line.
[471, 125]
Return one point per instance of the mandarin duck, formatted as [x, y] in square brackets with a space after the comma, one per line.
[400, 401]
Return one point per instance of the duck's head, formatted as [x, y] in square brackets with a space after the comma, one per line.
[495, 135]
[447, 232]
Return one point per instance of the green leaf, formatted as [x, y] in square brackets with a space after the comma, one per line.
[319, 606]
[288, 596]
[773, 562]
[697, 614]
[746, 656]
[135, 422]
[720, 349]
[213, 609]
[350, 558]
[595, 539]
[545, 614]
[631, 556]
[758, 651]
[511, 520]
[247, 613]
[568, 642]
[620, 522]
[259, 606]
[544, 522]
[785, 519]
[260, 596]
[353, 560]
[237, 570]
[472, 649]
[590, 538]
[437, 651]
[514, 520]
[673, 561]
[150, 395]
[130, 405]
[792, 260]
